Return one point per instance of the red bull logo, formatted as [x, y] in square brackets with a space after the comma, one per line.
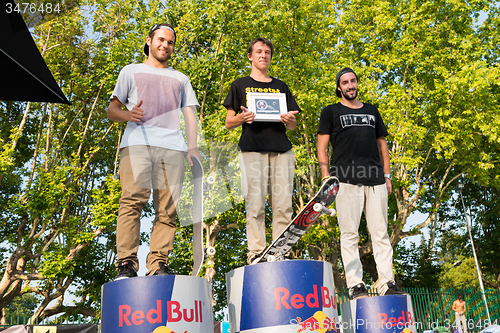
[174, 314]
[319, 322]
[164, 329]
[283, 299]
[405, 319]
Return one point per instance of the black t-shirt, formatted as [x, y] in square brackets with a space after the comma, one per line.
[260, 135]
[354, 134]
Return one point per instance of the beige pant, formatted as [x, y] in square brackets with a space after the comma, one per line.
[263, 172]
[351, 202]
[143, 168]
[461, 322]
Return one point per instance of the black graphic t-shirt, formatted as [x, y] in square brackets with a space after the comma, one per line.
[354, 134]
[260, 135]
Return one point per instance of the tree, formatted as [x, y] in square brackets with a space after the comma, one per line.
[21, 307]
[463, 276]
[57, 226]
[481, 213]
[417, 267]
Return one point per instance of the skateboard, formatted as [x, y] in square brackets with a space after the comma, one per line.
[200, 253]
[302, 222]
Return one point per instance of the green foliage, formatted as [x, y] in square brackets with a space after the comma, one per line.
[463, 276]
[481, 205]
[22, 306]
[416, 267]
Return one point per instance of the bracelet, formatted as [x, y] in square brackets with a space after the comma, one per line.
[388, 176]
[324, 178]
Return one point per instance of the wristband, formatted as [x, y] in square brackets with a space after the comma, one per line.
[388, 176]
[324, 178]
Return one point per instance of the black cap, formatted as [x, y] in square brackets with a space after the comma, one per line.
[343, 71]
[153, 29]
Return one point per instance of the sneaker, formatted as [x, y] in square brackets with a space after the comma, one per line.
[125, 270]
[358, 291]
[164, 270]
[390, 289]
[252, 257]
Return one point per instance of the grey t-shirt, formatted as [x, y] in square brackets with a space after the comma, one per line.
[164, 92]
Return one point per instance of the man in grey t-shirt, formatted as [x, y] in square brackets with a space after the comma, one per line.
[152, 150]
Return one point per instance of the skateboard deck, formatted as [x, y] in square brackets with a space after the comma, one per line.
[198, 251]
[302, 222]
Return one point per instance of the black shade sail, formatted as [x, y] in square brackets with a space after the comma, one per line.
[24, 76]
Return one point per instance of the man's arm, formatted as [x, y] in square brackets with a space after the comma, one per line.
[383, 151]
[454, 307]
[116, 113]
[191, 133]
[323, 141]
[234, 119]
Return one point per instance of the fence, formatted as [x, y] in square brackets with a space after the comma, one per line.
[432, 307]
[61, 320]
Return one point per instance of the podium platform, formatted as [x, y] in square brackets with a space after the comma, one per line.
[379, 314]
[157, 304]
[283, 296]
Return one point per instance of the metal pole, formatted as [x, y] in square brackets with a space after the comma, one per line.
[479, 275]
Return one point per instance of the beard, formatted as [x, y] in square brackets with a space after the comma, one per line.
[349, 97]
[156, 55]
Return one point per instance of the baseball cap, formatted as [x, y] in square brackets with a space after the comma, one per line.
[343, 71]
[153, 29]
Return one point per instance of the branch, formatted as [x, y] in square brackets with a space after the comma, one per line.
[35, 154]
[68, 309]
[21, 125]
[88, 120]
[28, 277]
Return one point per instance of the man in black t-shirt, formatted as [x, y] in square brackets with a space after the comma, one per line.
[267, 161]
[361, 162]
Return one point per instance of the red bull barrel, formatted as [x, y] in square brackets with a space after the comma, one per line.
[380, 314]
[288, 296]
[157, 304]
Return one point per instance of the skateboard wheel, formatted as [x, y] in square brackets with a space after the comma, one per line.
[210, 180]
[332, 212]
[271, 258]
[318, 207]
[210, 251]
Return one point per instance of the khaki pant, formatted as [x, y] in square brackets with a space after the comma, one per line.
[461, 322]
[351, 202]
[263, 172]
[143, 168]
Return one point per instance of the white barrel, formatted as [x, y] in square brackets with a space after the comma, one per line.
[157, 304]
[283, 296]
[380, 314]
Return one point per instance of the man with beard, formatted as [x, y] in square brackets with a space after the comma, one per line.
[152, 150]
[361, 162]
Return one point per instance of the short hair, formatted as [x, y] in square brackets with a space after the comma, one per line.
[152, 32]
[263, 40]
[460, 297]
